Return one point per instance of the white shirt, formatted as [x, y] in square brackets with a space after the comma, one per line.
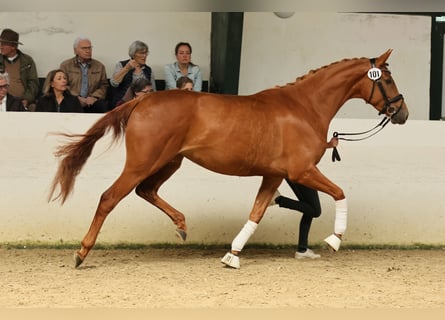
[3, 105]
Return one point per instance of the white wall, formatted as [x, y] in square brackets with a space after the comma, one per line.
[274, 50]
[277, 51]
[48, 36]
[394, 182]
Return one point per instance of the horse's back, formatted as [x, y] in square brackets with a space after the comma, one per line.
[237, 135]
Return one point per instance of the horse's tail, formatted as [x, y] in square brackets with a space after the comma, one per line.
[74, 154]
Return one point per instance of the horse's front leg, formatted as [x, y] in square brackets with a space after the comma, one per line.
[268, 187]
[313, 178]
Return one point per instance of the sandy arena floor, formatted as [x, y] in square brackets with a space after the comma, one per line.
[195, 278]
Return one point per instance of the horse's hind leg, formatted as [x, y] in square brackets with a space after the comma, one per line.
[148, 190]
[109, 199]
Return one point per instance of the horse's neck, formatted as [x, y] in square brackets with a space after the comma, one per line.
[335, 84]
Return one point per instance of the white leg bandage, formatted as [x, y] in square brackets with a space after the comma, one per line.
[341, 216]
[244, 235]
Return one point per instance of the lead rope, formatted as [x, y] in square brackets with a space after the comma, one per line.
[336, 155]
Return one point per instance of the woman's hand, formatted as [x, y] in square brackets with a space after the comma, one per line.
[333, 142]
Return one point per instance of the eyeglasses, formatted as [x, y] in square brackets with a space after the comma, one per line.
[86, 48]
[144, 53]
[144, 91]
[5, 86]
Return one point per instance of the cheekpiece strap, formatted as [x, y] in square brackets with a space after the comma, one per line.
[374, 73]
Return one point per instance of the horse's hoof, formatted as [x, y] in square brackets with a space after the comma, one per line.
[231, 260]
[77, 260]
[181, 234]
[333, 243]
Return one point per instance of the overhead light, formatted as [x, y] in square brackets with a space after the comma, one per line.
[284, 15]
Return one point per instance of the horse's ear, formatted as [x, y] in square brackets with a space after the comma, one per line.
[382, 59]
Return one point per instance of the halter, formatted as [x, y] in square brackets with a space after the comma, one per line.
[375, 75]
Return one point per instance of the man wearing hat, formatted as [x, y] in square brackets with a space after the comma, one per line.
[22, 71]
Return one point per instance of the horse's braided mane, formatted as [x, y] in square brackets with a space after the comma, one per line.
[312, 72]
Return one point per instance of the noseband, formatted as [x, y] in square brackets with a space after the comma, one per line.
[375, 75]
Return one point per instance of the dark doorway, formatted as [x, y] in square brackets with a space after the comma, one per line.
[225, 42]
[437, 83]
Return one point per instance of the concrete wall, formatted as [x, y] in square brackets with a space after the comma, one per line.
[48, 36]
[277, 51]
[395, 184]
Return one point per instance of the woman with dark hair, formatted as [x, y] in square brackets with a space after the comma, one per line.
[183, 67]
[184, 83]
[138, 88]
[56, 96]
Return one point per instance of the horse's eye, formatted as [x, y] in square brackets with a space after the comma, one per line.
[388, 81]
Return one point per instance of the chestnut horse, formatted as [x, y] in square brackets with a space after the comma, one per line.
[276, 133]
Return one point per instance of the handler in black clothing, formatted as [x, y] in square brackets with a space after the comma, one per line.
[309, 204]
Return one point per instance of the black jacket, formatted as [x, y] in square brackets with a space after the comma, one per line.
[69, 103]
[14, 104]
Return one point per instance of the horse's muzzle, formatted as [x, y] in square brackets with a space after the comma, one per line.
[401, 115]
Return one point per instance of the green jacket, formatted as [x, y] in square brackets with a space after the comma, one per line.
[28, 75]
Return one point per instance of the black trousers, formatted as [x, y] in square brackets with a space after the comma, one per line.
[308, 203]
[100, 106]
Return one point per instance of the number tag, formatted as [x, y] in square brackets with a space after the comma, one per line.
[374, 74]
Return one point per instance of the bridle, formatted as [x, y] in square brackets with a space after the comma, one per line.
[375, 75]
[378, 79]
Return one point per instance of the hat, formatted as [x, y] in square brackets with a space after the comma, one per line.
[9, 35]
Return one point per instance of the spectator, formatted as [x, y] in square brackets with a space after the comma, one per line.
[128, 71]
[138, 88]
[183, 67]
[56, 96]
[8, 102]
[22, 71]
[87, 77]
[184, 83]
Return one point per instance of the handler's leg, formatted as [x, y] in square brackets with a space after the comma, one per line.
[313, 178]
[309, 204]
[308, 201]
[303, 252]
